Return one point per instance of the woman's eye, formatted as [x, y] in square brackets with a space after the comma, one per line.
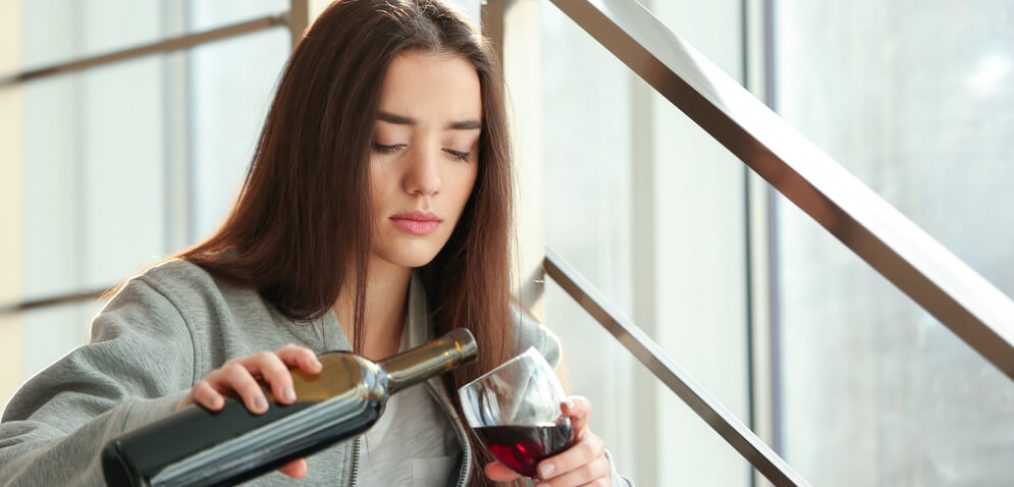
[387, 149]
[461, 156]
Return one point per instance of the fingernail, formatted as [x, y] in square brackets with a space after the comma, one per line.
[290, 395]
[316, 362]
[260, 403]
[546, 469]
[569, 403]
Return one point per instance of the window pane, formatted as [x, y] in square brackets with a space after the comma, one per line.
[93, 176]
[120, 163]
[650, 209]
[231, 95]
[917, 101]
[586, 154]
[209, 14]
[57, 31]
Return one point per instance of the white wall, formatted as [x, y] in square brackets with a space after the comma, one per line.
[12, 218]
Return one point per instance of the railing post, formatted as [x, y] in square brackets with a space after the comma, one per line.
[298, 19]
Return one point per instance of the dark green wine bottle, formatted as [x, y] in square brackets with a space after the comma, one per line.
[197, 447]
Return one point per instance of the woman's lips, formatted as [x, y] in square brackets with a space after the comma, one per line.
[416, 222]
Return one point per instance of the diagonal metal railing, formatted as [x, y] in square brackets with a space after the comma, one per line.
[931, 275]
[874, 230]
[752, 448]
[895, 247]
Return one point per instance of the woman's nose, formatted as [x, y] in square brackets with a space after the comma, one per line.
[422, 176]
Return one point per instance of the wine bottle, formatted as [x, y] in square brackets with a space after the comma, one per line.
[197, 447]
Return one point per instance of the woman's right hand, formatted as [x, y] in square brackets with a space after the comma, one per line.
[239, 377]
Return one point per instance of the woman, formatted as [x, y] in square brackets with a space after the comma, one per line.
[375, 215]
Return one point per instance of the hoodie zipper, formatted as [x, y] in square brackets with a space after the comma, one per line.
[442, 400]
[354, 478]
[466, 456]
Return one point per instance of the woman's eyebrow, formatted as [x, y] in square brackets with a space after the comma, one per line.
[403, 120]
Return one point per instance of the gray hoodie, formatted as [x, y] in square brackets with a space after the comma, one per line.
[163, 331]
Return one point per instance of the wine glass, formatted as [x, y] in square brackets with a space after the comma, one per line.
[514, 409]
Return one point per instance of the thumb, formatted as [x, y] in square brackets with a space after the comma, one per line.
[499, 472]
[296, 469]
[578, 409]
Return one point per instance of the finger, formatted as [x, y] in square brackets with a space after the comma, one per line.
[583, 475]
[270, 367]
[578, 409]
[296, 469]
[301, 357]
[597, 483]
[185, 402]
[233, 376]
[499, 472]
[583, 452]
[203, 394]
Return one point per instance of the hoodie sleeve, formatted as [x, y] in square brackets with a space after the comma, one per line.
[139, 364]
[532, 333]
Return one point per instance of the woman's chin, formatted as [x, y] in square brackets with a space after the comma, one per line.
[408, 257]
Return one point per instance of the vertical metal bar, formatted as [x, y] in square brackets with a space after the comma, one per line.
[78, 161]
[747, 225]
[774, 265]
[177, 187]
[492, 19]
[748, 243]
[298, 19]
[644, 219]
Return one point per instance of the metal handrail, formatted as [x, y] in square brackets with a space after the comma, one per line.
[931, 275]
[49, 301]
[765, 460]
[167, 45]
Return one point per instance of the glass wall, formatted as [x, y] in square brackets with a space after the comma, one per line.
[588, 199]
[916, 99]
[120, 165]
[123, 164]
[651, 210]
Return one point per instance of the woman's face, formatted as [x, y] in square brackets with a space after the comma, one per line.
[425, 157]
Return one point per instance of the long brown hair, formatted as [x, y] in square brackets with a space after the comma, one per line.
[301, 228]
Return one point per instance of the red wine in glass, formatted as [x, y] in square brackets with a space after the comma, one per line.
[522, 447]
[515, 410]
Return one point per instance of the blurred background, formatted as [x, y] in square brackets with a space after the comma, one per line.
[107, 169]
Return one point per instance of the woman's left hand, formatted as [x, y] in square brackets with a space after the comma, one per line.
[583, 464]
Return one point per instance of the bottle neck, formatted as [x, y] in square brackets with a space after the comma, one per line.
[429, 359]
